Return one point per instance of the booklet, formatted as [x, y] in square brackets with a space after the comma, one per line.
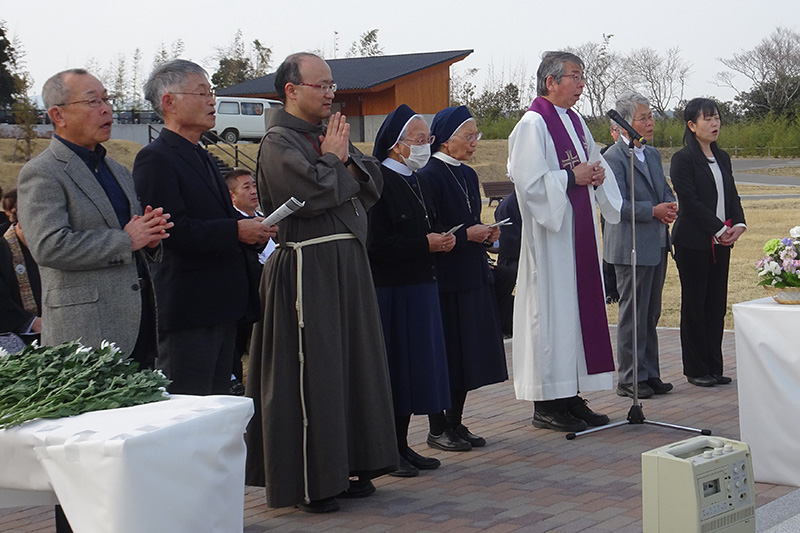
[504, 222]
[453, 229]
[290, 206]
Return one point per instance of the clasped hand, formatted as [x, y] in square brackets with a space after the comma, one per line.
[589, 174]
[148, 229]
[337, 137]
[666, 212]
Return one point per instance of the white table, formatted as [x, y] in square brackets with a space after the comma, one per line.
[768, 373]
[175, 465]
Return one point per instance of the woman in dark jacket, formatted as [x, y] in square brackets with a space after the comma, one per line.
[473, 337]
[710, 220]
[401, 249]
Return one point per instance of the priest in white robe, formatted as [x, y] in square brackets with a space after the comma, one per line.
[561, 343]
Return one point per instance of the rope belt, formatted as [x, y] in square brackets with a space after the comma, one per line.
[298, 248]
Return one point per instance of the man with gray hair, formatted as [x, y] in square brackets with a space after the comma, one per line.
[653, 208]
[202, 282]
[85, 228]
[561, 339]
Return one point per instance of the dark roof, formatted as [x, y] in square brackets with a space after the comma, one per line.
[358, 73]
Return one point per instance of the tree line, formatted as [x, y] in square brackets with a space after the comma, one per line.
[771, 73]
[771, 86]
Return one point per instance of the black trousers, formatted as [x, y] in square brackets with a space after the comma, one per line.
[704, 297]
[198, 360]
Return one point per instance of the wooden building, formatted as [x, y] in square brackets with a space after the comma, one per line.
[369, 88]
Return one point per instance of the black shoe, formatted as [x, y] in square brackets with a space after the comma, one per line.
[579, 408]
[464, 432]
[658, 386]
[558, 421]
[237, 389]
[325, 505]
[358, 489]
[720, 379]
[405, 469]
[423, 463]
[702, 381]
[449, 442]
[626, 389]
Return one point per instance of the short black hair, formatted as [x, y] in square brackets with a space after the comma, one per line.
[233, 175]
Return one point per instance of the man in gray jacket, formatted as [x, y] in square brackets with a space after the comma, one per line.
[654, 208]
[86, 229]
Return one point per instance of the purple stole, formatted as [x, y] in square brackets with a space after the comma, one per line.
[591, 302]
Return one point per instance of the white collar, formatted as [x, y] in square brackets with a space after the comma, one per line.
[258, 213]
[397, 166]
[638, 150]
[561, 110]
[441, 156]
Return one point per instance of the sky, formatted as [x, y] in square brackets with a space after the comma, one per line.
[507, 36]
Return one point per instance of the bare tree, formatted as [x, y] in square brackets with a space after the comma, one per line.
[262, 59]
[136, 100]
[237, 65]
[366, 46]
[660, 78]
[773, 69]
[24, 107]
[604, 71]
[121, 95]
[462, 90]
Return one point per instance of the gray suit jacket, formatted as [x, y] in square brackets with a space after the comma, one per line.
[648, 192]
[90, 285]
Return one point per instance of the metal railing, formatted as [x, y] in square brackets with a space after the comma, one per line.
[231, 150]
[210, 138]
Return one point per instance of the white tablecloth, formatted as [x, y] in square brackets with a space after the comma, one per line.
[175, 465]
[768, 370]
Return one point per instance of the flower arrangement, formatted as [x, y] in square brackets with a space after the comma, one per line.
[781, 266]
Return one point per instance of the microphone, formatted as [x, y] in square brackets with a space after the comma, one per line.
[632, 133]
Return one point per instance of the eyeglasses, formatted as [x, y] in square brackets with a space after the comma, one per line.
[644, 118]
[324, 86]
[91, 102]
[475, 137]
[420, 142]
[211, 93]
[577, 77]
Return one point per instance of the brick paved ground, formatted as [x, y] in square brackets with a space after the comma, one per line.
[525, 479]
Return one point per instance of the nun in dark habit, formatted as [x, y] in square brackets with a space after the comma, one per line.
[402, 247]
[473, 337]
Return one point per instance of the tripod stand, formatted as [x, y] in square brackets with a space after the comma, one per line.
[635, 414]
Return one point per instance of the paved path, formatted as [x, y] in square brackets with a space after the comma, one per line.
[525, 479]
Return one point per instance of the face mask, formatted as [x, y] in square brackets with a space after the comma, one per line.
[418, 157]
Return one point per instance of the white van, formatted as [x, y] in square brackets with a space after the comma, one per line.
[242, 118]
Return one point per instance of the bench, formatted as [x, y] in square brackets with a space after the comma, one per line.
[497, 190]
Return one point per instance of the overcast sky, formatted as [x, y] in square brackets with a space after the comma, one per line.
[506, 35]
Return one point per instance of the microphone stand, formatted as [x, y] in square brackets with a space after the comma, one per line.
[635, 414]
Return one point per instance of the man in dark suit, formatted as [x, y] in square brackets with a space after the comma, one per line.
[202, 283]
[244, 195]
[653, 208]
